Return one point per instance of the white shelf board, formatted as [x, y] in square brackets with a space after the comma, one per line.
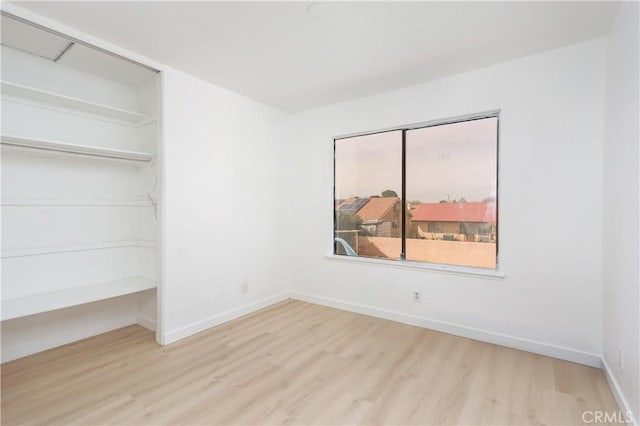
[45, 302]
[40, 251]
[31, 93]
[69, 148]
[37, 202]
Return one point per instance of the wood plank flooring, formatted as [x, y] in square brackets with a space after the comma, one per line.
[298, 363]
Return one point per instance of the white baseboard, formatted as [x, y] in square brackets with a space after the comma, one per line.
[175, 335]
[617, 392]
[146, 322]
[541, 348]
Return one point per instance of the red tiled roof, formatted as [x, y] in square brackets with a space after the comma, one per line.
[455, 212]
[376, 208]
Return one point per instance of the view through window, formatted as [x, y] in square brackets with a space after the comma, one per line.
[446, 210]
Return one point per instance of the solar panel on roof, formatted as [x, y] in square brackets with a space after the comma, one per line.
[353, 206]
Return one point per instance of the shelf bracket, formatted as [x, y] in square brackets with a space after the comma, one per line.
[64, 52]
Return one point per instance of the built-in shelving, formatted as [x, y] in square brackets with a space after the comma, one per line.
[45, 302]
[38, 95]
[94, 151]
[81, 192]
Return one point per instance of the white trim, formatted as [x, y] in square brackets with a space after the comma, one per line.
[161, 227]
[494, 113]
[541, 348]
[494, 274]
[146, 322]
[617, 391]
[191, 329]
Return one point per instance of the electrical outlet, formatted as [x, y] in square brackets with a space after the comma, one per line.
[621, 357]
[244, 287]
[417, 296]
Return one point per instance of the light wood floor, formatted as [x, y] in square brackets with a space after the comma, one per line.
[297, 363]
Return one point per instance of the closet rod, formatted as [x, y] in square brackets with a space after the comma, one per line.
[68, 148]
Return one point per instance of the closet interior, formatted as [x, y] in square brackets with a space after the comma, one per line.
[80, 190]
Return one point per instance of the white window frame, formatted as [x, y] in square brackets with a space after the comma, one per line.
[488, 273]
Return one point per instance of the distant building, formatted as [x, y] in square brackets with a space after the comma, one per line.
[455, 221]
[381, 217]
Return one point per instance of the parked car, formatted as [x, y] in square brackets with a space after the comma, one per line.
[343, 247]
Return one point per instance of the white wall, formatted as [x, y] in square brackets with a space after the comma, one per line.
[550, 197]
[224, 205]
[620, 291]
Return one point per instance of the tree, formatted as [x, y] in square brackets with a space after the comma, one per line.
[347, 221]
[389, 193]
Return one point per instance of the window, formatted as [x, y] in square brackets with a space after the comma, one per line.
[368, 172]
[433, 227]
[423, 193]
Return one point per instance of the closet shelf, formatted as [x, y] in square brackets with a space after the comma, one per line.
[41, 251]
[39, 95]
[69, 148]
[39, 202]
[45, 302]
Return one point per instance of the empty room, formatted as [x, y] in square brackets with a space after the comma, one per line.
[320, 213]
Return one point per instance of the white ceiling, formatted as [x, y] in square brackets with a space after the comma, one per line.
[276, 53]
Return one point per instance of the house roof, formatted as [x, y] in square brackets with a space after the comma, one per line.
[376, 208]
[455, 212]
[351, 205]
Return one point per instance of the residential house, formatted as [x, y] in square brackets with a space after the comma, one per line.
[455, 221]
[382, 217]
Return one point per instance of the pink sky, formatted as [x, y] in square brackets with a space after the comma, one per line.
[453, 160]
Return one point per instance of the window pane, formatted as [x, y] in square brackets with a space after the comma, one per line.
[367, 188]
[451, 184]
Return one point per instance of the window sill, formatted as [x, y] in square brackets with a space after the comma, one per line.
[420, 266]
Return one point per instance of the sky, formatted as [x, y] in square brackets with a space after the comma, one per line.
[443, 162]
